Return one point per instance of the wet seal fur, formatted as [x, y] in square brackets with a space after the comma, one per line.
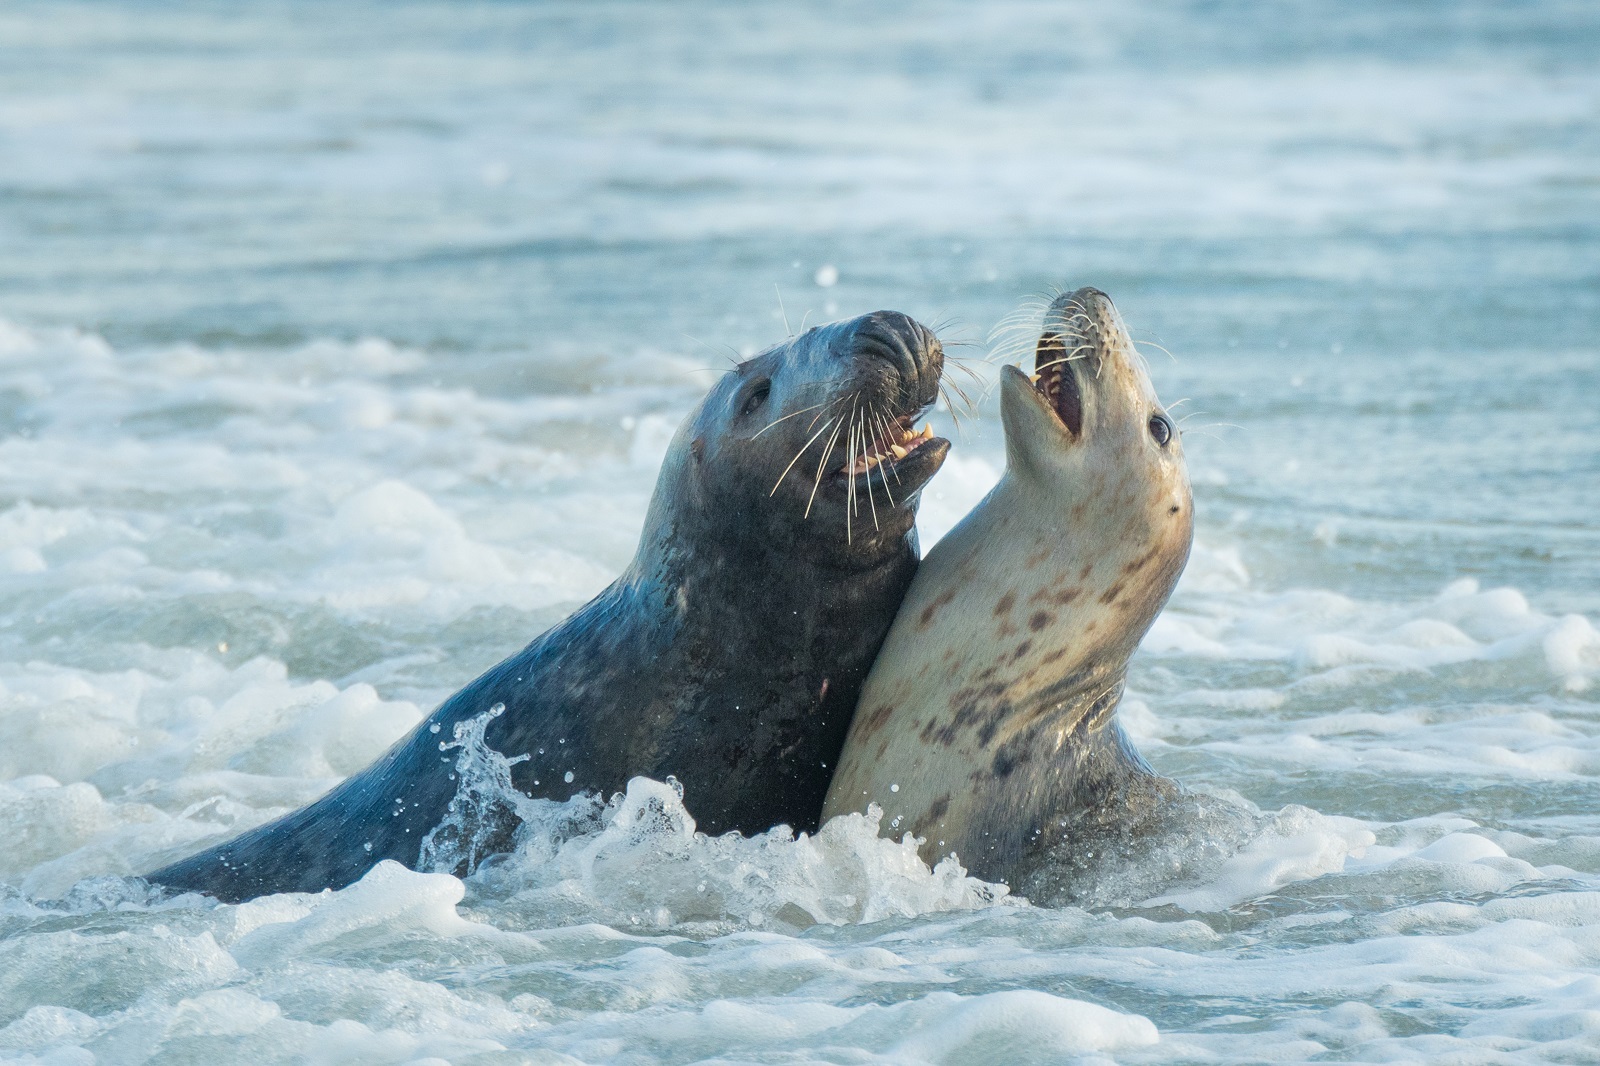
[730, 652]
[987, 726]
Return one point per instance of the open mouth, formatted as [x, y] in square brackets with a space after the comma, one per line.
[893, 442]
[1055, 379]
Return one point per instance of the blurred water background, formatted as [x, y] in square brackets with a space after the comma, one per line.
[338, 348]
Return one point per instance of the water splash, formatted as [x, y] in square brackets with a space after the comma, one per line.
[482, 819]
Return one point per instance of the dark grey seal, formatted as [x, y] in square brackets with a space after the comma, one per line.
[730, 653]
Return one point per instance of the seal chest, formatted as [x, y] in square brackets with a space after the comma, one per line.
[987, 725]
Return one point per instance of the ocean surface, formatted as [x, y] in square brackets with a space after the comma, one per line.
[339, 346]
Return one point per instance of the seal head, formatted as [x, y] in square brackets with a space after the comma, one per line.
[730, 653]
[987, 726]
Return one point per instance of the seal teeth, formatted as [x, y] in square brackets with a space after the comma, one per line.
[899, 441]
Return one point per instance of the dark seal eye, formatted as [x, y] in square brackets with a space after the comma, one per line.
[1160, 429]
[755, 398]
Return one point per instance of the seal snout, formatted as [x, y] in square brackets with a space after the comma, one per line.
[1081, 329]
[905, 360]
[910, 348]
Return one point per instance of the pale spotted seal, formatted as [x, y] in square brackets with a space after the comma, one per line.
[987, 725]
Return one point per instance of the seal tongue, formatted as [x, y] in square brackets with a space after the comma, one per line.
[1057, 382]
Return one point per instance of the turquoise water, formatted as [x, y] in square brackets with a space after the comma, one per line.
[338, 347]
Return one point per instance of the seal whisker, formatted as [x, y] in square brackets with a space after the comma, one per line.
[1073, 358]
[851, 503]
[950, 407]
[831, 403]
[733, 358]
[883, 428]
[961, 365]
[965, 399]
[1214, 425]
[1159, 348]
[826, 451]
[797, 456]
[871, 501]
[786, 418]
[787, 331]
[856, 451]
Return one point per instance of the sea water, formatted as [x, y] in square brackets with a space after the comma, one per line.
[339, 346]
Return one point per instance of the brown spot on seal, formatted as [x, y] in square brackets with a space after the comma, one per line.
[1141, 562]
[1003, 606]
[1040, 619]
[877, 719]
[933, 608]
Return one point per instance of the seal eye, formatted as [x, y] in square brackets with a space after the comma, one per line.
[755, 398]
[1160, 429]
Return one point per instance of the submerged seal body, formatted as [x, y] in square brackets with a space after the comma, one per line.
[987, 726]
[776, 548]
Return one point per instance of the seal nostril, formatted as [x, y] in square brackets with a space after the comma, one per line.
[908, 346]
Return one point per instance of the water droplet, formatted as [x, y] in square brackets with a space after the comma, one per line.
[434, 728]
[497, 710]
[567, 777]
[541, 751]
[894, 788]
[367, 845]
[443, 746]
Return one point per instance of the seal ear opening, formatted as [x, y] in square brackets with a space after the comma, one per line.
[697, 448]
